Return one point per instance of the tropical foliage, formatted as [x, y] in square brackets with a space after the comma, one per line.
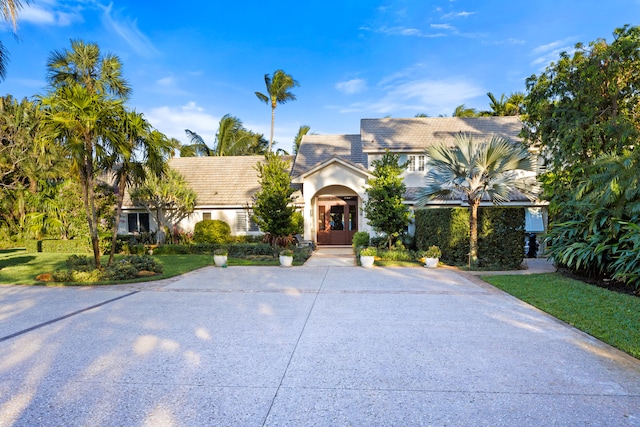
[81, 113]
[582, 112]
[472, 172]
[168, 199]
[385, 208]
[232, 139]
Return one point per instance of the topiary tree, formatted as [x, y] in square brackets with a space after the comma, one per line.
[385, 210]
[211, 231]
[273, 204]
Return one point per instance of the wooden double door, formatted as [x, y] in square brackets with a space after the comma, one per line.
[337, 220]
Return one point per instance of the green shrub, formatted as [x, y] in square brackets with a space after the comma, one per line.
[396, 255]
[211, 231]
[80, 263]
[360, 239]
[172, 250]
[369, 251]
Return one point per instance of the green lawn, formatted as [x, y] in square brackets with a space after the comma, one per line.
[18, 267]
[609, 316]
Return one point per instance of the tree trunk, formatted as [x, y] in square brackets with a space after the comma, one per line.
[473, 233]
[86, 178]
[114, 238]
[273, 121]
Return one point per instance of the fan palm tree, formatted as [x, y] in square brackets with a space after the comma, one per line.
[471, 172]
[278, 92]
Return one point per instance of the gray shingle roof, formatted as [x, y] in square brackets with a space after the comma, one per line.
[417, 133]
[224, 180]
[316, 149]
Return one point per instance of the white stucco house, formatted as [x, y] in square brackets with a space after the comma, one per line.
[330, 173]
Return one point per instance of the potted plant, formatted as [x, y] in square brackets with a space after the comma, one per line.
[367, 256]
[220, 257]
[432, 256]
[286, 258]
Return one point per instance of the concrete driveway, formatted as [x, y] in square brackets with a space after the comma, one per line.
[322, 346]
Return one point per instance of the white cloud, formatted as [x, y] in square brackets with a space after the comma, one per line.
[352, 86]
[550, 52]
[402, 96]
[172, 121]
[462, 14]
[443, 26]
[403, 31]
[166, 81]
[129, 32]
[47, 16]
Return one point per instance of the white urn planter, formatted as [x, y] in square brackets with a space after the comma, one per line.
[220, 260]
[286, 261]
[367, 261]
[431, 262]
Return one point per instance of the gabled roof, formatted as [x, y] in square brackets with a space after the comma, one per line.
[416, 134]
[356, 167]
[317, 149]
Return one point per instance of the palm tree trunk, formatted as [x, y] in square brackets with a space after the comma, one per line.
[273, 120]
[114, 238]
[473, 232]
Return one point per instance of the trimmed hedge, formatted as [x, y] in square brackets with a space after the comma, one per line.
[500, 235]
[237, 250]
[76, 246]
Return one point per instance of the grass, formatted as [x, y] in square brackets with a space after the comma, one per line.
[610, 316]
[17, 267]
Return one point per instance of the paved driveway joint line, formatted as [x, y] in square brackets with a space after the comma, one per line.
[293, 352]
[66, 316]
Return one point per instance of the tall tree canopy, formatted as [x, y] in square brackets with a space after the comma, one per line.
[278, 92]
[384, 208]
[587, 104]
[583, 112]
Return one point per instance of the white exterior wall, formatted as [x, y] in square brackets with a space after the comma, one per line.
[228, 215]
[337, 179]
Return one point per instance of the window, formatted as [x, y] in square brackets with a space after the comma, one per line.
[206, 216]
[416, 163]
[138, 222]
[244, 222]
[411, 167]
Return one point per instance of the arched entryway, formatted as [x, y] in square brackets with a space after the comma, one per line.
[337, 219]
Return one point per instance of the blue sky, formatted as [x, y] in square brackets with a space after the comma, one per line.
[189, 63]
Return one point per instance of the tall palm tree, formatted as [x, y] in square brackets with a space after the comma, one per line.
[302, 131]
[86, 126]
[82, 113]
[278, 92]
[85, 65]
[9, 10]
[471, 172]
[145, 150]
